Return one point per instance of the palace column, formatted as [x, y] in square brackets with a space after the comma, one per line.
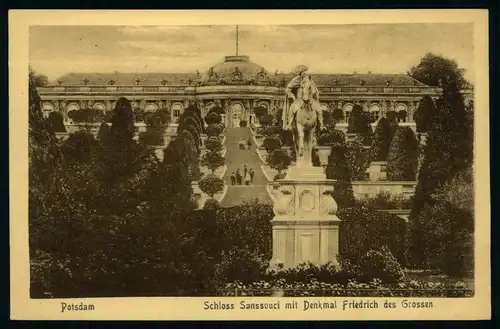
[411, 110]
[384, 108]
[392, 105]
[366, 105]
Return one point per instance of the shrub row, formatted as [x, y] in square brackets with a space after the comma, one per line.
[352, 289]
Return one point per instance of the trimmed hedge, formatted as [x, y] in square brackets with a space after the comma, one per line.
[152, 137]
[363, 229]
[352, 289]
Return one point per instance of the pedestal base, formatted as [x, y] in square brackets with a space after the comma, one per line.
[305, 226]
[296, 242]
[308, 173]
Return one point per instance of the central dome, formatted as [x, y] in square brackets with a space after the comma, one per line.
[236, 70]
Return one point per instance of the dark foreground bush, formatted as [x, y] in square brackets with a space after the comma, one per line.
[364, 229]
[151, 137]
[211, 204]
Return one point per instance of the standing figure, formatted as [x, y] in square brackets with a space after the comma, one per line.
[247, 178]
[245, 170]
[249, 143]
[301, 113]
[233, 178]
[252, 174]
[238, 177]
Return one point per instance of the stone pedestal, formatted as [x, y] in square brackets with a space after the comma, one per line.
[305, 226]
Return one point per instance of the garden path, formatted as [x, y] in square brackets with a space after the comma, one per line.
[237, 158]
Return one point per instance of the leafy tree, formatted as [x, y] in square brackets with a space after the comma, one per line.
[392, 117]
[359, 123]
[245, 242]
[213, 144]
[260, 111]
[363, 229]
[196, 114]
[79, 148]
[44, 159]
[330, 136]
[337, 116]
[327, 118]
[211, 204]
[104, 134]
[211, 185]
[172, 178]
[158, 120]
[151, 137]
[423, 115]
[448, 151]
[122, 123]
[381, 140]
[190, 117]
[123, 159]
[139, 114]
[435, 70]
[358, 160]
[192, 155]
[271, 143]
[55, 122]
[213, 118]
[266, 120]
[214, 130]
[270, 130]
[279, 160]
[41, 80]
[403, 154]
[86, 115]
[402, 115]
[212, 160]
[286, 137]
[339, 170]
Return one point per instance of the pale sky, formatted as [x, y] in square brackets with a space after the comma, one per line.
[379, 48]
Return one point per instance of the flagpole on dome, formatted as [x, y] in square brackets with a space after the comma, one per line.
[237, 40]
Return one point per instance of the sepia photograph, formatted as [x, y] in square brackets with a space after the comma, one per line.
[252, 160]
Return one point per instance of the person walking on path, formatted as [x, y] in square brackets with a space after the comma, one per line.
[247, 178]
[245, 171]
[252, 174]
[238, 177]
[249, 143]
[233, 178]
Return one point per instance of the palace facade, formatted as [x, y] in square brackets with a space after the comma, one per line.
[238, 85]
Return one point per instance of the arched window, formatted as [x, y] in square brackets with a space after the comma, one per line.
[100, 106]
[236, 114]
[347, 111]
[151, 107]
[176, 112]
[375, 111]
[71, 107]
[401, 112]
[47, 108]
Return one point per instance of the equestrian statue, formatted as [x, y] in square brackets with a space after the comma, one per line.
[302, 114]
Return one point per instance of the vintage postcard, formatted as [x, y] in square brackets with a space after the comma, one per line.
[240, 165]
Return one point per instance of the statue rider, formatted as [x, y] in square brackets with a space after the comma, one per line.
[294, 101]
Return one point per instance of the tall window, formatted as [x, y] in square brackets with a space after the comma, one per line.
[347, 111]
[47, 108]
[176, 112]
[401, 112]
[375, 111]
